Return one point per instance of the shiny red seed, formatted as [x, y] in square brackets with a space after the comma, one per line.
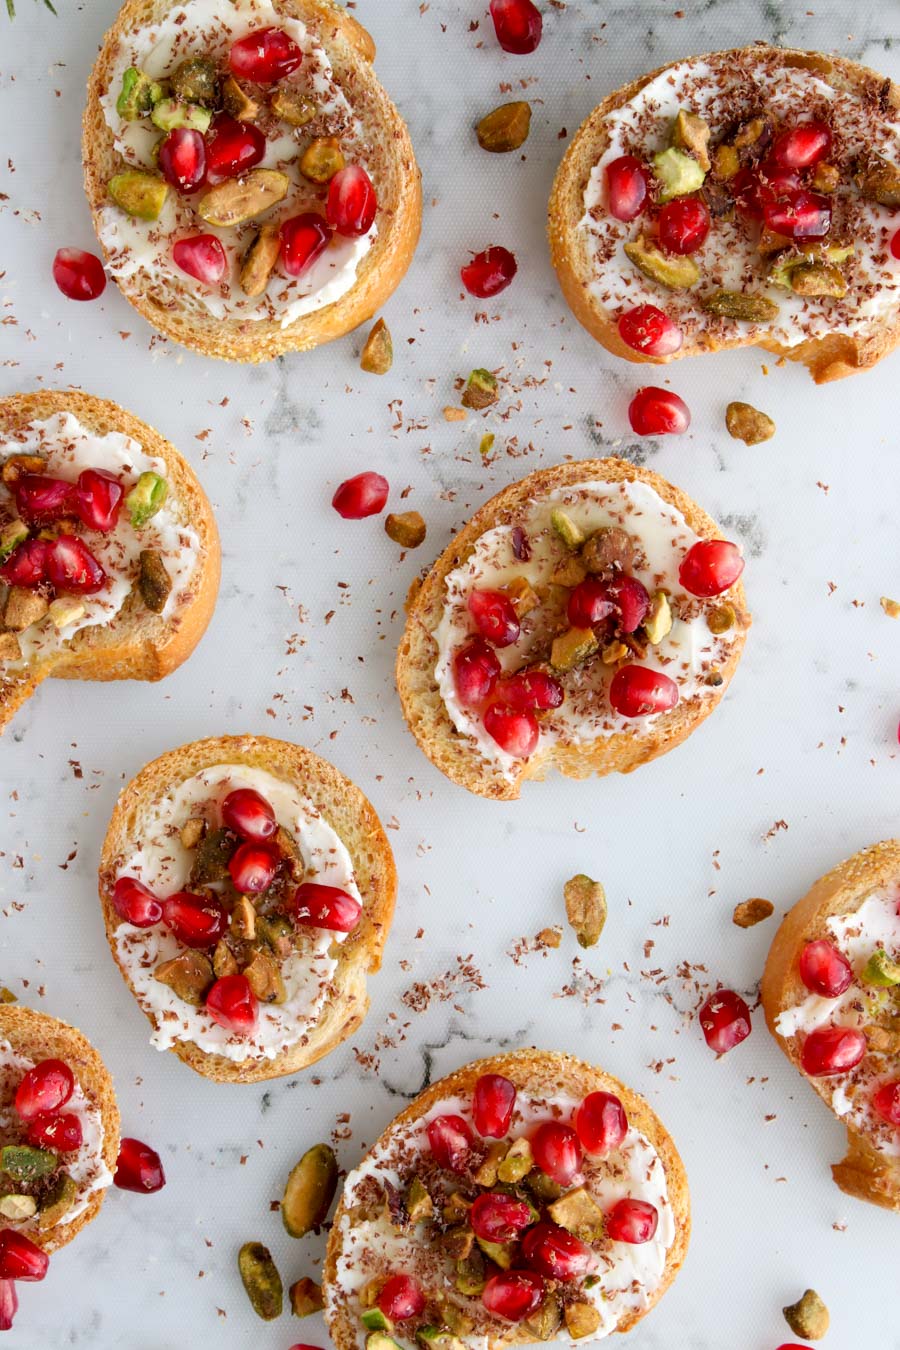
[824, 969]
[556, 1151]
[252, 867]
[747, 191]
[232, 1003]
[303, 239]
[27, 564]
[99, 499]
[9, 1304]
[803, 145]
[556, 1253]
[495, 617]
[401, 1298]
[196, 920]
[489, 272]
[601, 1123]
[62, 1133]
[683, 225]
[139, 1168]
[328, 907]
[40, 499]
[513, 1294]
[135, 903]
[451, 1142]
[632, 1221]
[249, 814]
[637, 691]
[725, 1020]
[499, 1218]
[79, 275]
[364, 495]
[182, 160]
[493, 1100]
[475, 671]
[20, 1258]
[658, 412]
[799, 214]
[201, 257]
[352, 203]
[710, 567]
[518, 25]
[775, 181]
[589, 603]
[45, 1087]
[232, 148]
[832, 1050]
[895, 245]
[531, 689]
[265, 56]
[650, 331]
[886, 1102]
[627, 187]
[515, 731]
[72, 567]
[632, 601]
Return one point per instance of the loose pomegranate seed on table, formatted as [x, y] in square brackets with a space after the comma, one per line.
[252, 867]
[328, 907]
[304, 238]
[803, 145]
[493, 1102]
[475, 671]
[710, 567]
[557, 1253]
[589, 603]
[40, 499]
[247, 812]
[27, 564]
[724, 1021]
[515, 731]
[265, 56]
[633, 1221]
[9, 1304]
[451, 1142]
[601, 1123]
[196, 920]
[650, 331]
[231, 148]
[233, 1005]
[495, 617]
[60, 1132]
[72, 567]
[499, 1218]
[79, 275]
[20, 1258]
[531, 690]
[632, 601]
[135, 903]
[683, 225]
[139, 1168]
[886, 1102]
[832, 1050]
[637, 691]
[489, 272]
[201, 257]
[824, 970]
[99, 497]
[556, 1151]
[352, 203]
[513, 1294]
[182, 160]
[364, 495]
[658, 412]
[627, 187]
[401, 1298]
[46, 1086]
[518, 25]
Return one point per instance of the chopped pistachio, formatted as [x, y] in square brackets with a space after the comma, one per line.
[501, 1253]
[263, 974]
[192, 831]
[261, 1280]
[18, 1206]
[65, 610]
[454, 414]
[505, 128]
[470, 1274]
[881, 971]
[725, 163]
[569, 571]
[259, 261]
[309, 1191]
[277, 931]
[407, 529]
[292, 107]
[691, 133]
[7, 995]
[154, 582]
[808, 1318]
[23, 608]
[139, 194]
[12, 534]
[746, 423]
[24, 1163]
[137, 95]
[240, 199]
[243, 919]
[585, 908]
[571, 534]
[676, 273]
[572, 648]
[10, 647]
[678, 173]
[579, 1214]
[379, 1340]
[15, 465]
[517, 1163]
[751, 912]
[878, 180]
[238, 103]
[212, 858]
[189, 976]
[486, 444]
[146, 498]
[890, 607]
[457, 1241]
[542, 1187]
[523, 597]
[486, 1175]
[658, 623]
[582, 1319]
[818, 278]
[373, 1319]
[481, 390]
[437, 1337]
[453, 1317]
[306, 1297]
[224, 960]
[377, 355]
[322, 159]
[545, 1322]
[720, 619]
[826, 177]
[170, 113]
[58, 1201]
[456, 1207]
[419, 1204]
[196, 80]
[740, 305]
[770, 241]
[289, 849]
[753, 132]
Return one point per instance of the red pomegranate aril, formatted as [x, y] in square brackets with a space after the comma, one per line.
[601, 1123]
[247, 812]
[658, 412]
[650, 331]
[825, 970]
[724, 1021]
[515, 731]
[201, 257]
[493, 1100]
[9, 1304]
[747, 192]
[632, 1221]
[589, 603]
[683, 225]
[135, 903]
[46, 1086]
[20, 1258]
[451, 1142]
[627, 187]
[775, 181]
[499, 1218]
[513, 1294]
[27, 564]
[352, 203]
[637, 691]
[195, 920]
[803, 145]
[476, 668]
[832, 1050]
[72, 567]
[798, 214]
[182, 160]
[532, 689]
[328, 907]
[401, 1298]
[99, 496]
[40, 499]
[62, 1133]
[489, 272]
[631, 599]
[495, 617]
[232, 148]
[895, 245]
[364, 495]
[264, 56]
[252, 867]
[518, 25]
[556, 1151]
[710, 567]
[556, 1253]
[886, 1102]
[303, 239]
[79, 275]
[233, 1005]
[139, 1168]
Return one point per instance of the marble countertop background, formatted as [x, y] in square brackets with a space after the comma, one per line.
[797, 769]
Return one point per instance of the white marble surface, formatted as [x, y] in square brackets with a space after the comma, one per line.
[807, 734]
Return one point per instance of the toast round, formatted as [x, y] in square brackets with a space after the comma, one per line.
[136, 644]
[540, 1073]
[353, 818]
[865, 1172]
[37, 1036]
[394, 170]
[829, 357]
[425, 711]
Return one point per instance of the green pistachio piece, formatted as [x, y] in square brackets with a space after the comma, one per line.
[309, 1191]
[373, 1319]
[138, 94]
[154, 582]
[261, 1280]
[570, 533]
[878, 180]
[58, 1201]
[239, 199]
[379, 1340]
[438, 1337]
[691, 133]
[419, 1204]
[673, 272]
[481, 390]
[18, 1207]
[741, 305]
[12, 534]
[501, 1253]
[170, 113]
[517, 1163]
[881, 971]
[678, 173]
[196, 80]
[24, 1163]
[818, 278]
[572, 648]
[585, 908]
[470, 1274]
[306, 1297]
[140, 194]
[146, 498]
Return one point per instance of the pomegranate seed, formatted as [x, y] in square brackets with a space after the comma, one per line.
[631, 600]
[530, 689]
[451, 1142]
[489, 272]
[44, 1088]
[252, 867]
[493, 1100]
[895, 245]
[499, 1218]
[556, 1253]
[518, 25]
[100, 497]
[557, 1151]
[601, 1123]
[748, 194]
[61, 1133]
[632, 1221]
[265, 57]
[887, 1102]
[589, 603]
[627, 185]
[196, 920]
[475, 671]
[824, 969]
[636, 691]
[327, 907]
[683, 225]
[40, 500]
[232, 1003]
[201, 257]
[832, 1050]
[775, 181]
[364, 495]
[710, 567]
[513, 1294]
[139, 1168]
[135, 903]
[495, 617]
[725, 1021]
[802, 146]
[515, 731]
[232, 148]
[20, 1258]
[27, 564]
[650, 331]
[799, 214]
[401, 1298]
[249, 814]
[351, 202]
[79, 275]
[658, 412]
[303, 239]
[520, 545]
[72, 567]
[182, 160]
[9, 1304]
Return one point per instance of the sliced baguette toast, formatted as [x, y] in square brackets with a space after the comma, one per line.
[867, 1171]
[137, 644]
[393, 170]
[538, 1075]
[342, 806]
[457, 755]
[828, 356]
[37, 1036]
